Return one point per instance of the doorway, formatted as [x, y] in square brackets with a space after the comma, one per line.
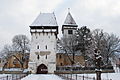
[42, 69]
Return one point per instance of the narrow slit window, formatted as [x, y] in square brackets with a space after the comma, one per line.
[36, 37]
[38, 57]
[60, 56]
[61, 64]
[46, 46]
[38, 47]
[46, 57]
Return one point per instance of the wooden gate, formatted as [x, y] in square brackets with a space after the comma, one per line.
[42, 69]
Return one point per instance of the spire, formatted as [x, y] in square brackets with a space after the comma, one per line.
[69, 19]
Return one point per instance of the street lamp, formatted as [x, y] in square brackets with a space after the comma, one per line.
[97, 63]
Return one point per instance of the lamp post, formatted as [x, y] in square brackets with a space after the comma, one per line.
[97, 64]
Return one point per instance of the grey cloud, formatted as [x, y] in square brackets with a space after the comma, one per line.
[17, 15]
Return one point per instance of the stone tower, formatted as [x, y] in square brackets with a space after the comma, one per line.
[44, 32]
[69, 27]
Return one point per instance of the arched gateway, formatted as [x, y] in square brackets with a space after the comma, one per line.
[42, 69]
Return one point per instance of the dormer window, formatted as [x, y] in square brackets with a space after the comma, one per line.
[70, 31]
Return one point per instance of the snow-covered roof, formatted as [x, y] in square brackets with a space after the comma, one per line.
[45, 19]
[69, 20]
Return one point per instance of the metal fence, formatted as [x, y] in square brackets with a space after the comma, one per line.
[13, 77]
[77, 77]
[74, 68]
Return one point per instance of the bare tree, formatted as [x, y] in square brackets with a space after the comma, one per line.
[68, 45]
[108, 44]
[5, 53]
[6, 50]
[21, 44]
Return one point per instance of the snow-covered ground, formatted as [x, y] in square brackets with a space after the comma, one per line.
[4, 75]
[42, 77]
[11, 76]
[105, 76]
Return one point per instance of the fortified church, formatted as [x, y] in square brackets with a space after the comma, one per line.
[44, 31]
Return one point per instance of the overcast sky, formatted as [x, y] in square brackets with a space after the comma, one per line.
[17, 15]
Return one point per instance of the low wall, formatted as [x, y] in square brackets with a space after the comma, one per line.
[82, 71]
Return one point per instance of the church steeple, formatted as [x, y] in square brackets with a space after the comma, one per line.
[69, 20]
[69, 26]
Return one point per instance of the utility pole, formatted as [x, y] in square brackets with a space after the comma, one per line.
[97, 64]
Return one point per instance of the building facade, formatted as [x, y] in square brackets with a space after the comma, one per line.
[44, 55]
[44, 32]
[64, 60]
[13, 61]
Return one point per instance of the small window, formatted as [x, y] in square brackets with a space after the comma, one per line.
[38, 47]
[31, 33]
[70, 31]
[36, 37]
[46, 46]
[46, 57]
[60, 56]
[38, 57]
[61, 64]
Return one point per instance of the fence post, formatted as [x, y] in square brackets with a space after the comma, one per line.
[76, 76]
[7, 77]
[12, 76]
[16, 76]
[67, 76]
[93, 78]
[83, 77]
[71, 76]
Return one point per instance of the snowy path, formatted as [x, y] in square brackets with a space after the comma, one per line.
[42, 77]
[105, 76]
